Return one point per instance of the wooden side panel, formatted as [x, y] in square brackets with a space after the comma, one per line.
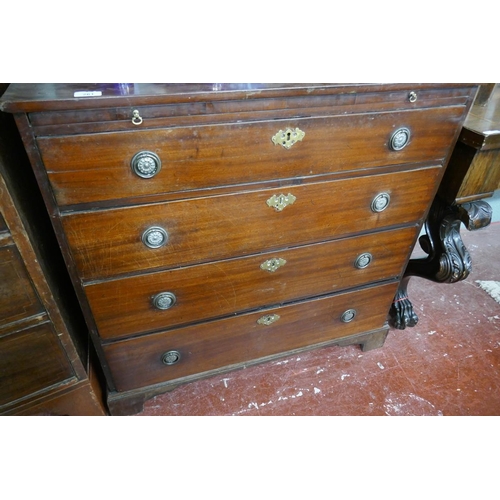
[483, 176]
[108, 243]
[125, 307]
[31, 360]
[96, 167]
[138, 362]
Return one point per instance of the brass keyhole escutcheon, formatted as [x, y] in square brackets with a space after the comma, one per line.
[279, 202]
[273, 264]
[287, 138]
[268, 319]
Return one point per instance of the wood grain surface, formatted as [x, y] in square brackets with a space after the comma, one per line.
[108, 243]
[208, 346]
[95, 167]
[31, 360]
[124, 307]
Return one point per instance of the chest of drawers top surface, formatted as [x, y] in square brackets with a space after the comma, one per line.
[34, 97]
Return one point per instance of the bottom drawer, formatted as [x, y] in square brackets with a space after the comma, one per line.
[209, 346]
[30, 361]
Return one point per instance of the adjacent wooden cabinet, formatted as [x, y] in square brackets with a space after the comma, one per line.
[44, 351]
[474, 171]
[206, 228]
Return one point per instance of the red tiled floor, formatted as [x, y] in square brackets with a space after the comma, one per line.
[449, 364]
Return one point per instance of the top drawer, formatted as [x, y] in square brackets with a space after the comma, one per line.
[100, 167]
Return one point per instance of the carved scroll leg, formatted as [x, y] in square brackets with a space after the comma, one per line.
[455, 262]
[401, 314]
[448, 260]
[475, 214]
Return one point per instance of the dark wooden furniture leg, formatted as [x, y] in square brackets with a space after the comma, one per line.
[447, 261]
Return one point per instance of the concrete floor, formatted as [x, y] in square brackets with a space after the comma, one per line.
[449, 364]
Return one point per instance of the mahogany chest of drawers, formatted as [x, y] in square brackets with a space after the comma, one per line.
[208, 228]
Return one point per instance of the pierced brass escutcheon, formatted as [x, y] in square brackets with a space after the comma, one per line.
[272, 264]
[281, 201]
[288, 137]
[268, 319]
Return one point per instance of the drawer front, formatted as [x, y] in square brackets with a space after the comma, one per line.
[97, 167]
[109, 243]
[18, 299]
[251, 105]
[138, 362]
[30, 361]
[127, 306]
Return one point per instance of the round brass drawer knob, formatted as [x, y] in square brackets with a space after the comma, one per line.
[154, 237]
[400, 139]
[380, 202]
[348, 315]
[363, 260]
[164, 300]
[146, 164]
[170, 358]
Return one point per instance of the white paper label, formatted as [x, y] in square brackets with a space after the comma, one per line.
[88, 93]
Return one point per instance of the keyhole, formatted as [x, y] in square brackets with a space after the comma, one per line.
[288, 135]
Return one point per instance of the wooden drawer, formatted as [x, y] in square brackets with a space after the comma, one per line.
[30, 361]
[125, 307]
[96, 167]
[77, 400]
[255, 103]
[138, 362]
[18, 299]
[108, 243]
